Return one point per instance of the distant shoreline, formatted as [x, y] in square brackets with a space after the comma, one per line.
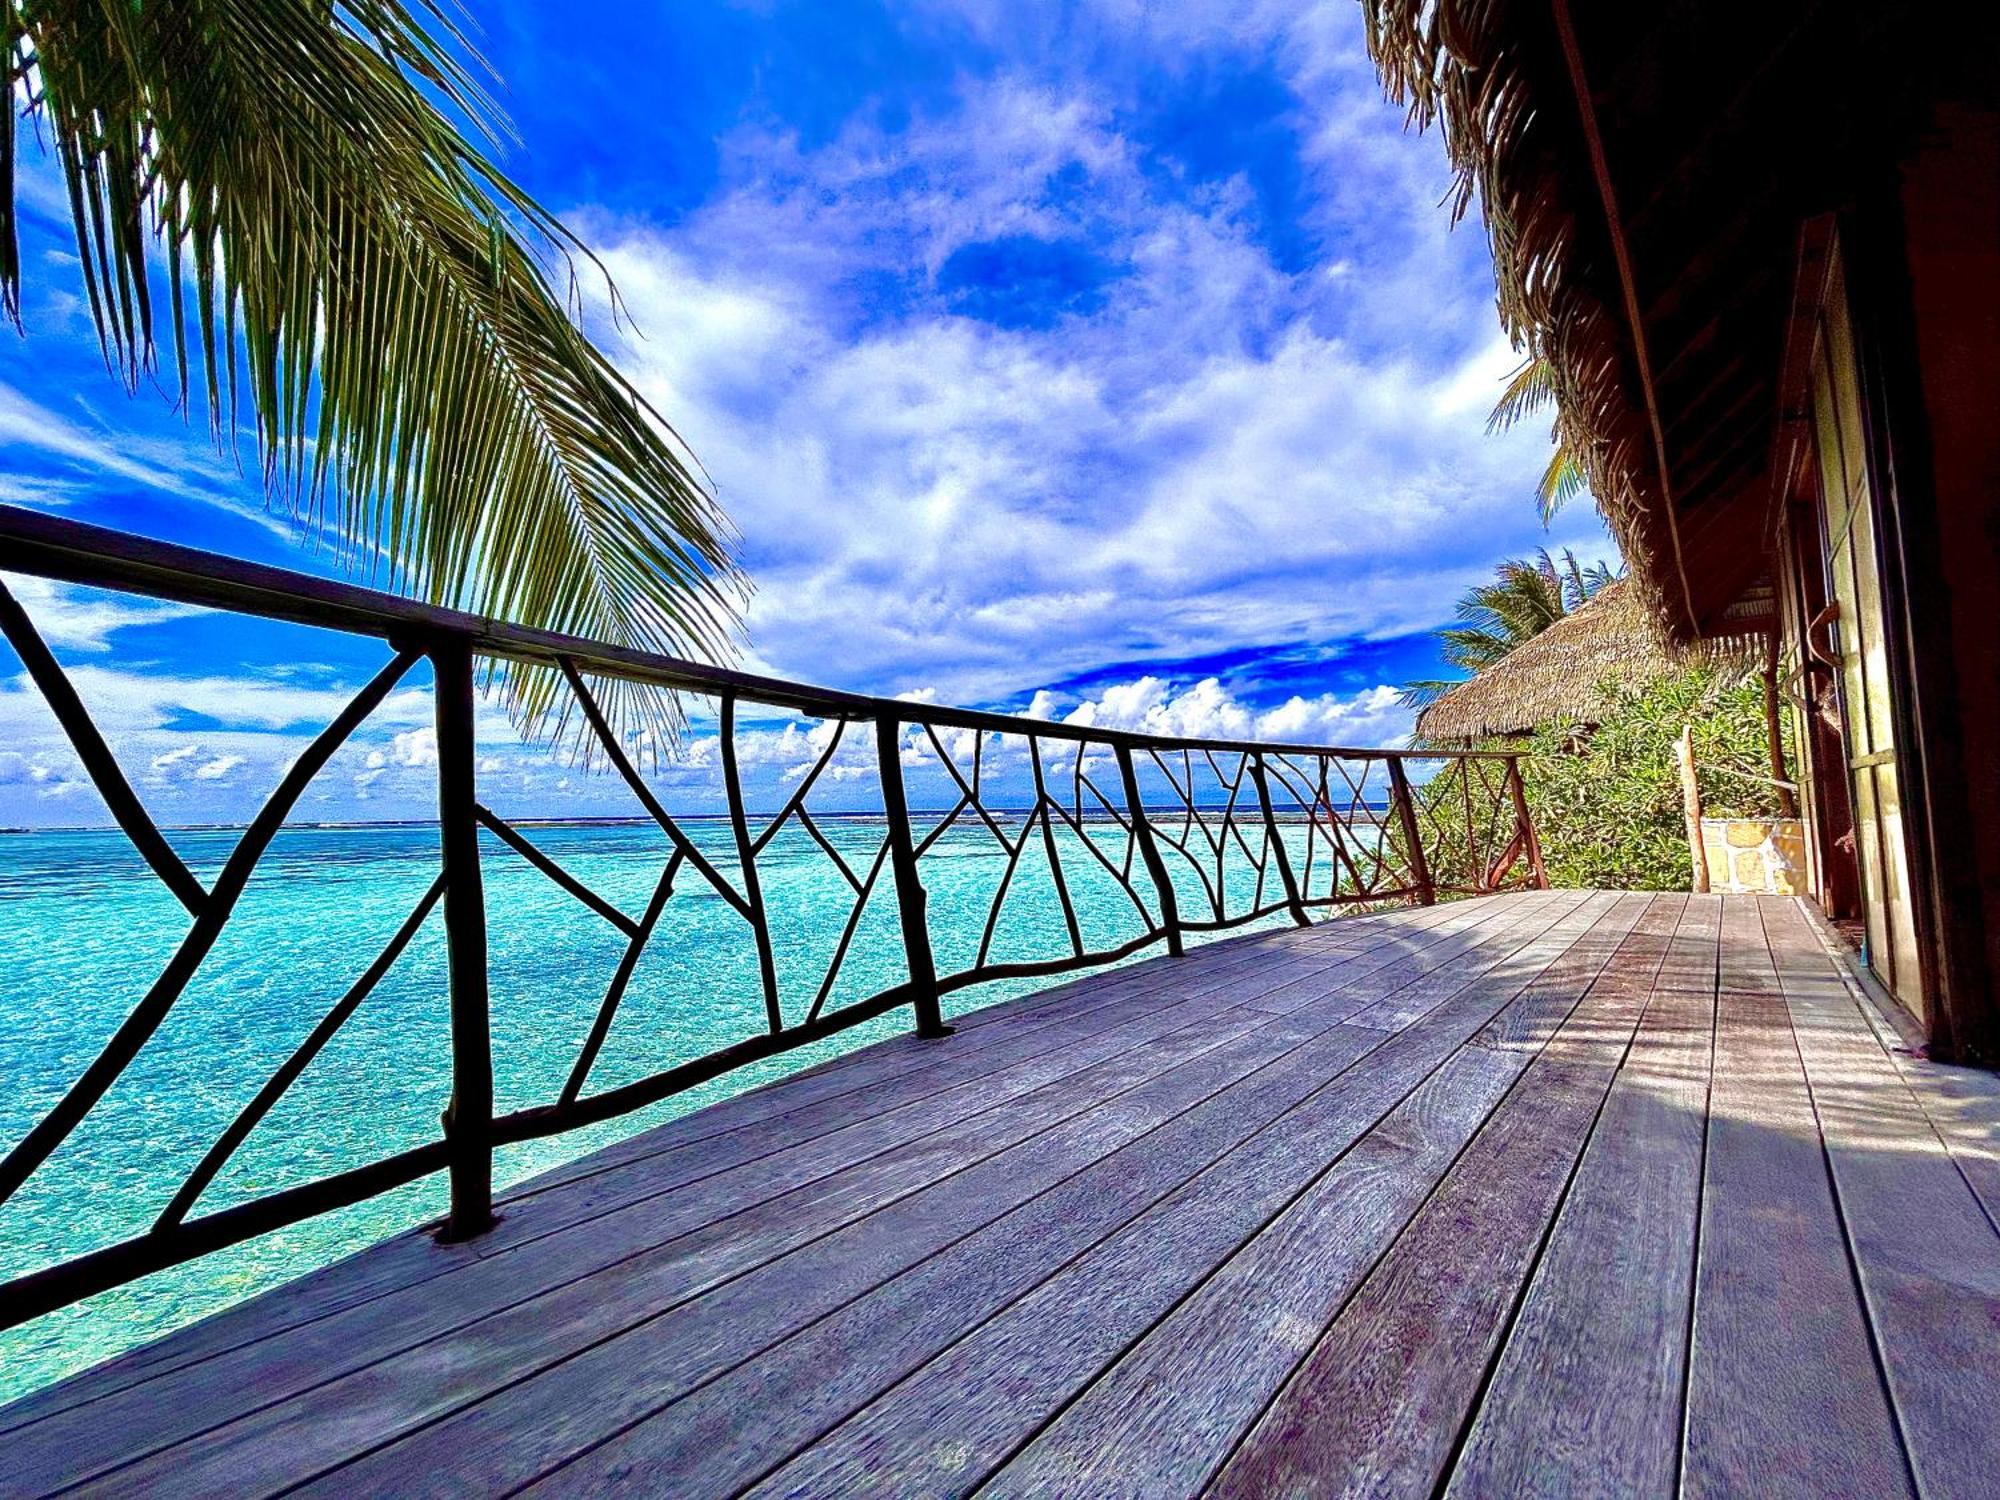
[1164, 814]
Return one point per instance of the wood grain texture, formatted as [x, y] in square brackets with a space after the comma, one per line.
[1783, 1395]
[406, 1360]
[900, 1069]
[1161, 1420]
[538, 1414]
[739, 1426]
[1377, 1405]
[1586, 1398]
[1384, 1206]
[958, 1417]
[1928, 1256]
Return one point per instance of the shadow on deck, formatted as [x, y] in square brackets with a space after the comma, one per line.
[1552, 1193]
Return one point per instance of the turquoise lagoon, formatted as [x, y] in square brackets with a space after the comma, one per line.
[85, 927]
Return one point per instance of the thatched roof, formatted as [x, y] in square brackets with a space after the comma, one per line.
[1558, 677]
[1644, 172]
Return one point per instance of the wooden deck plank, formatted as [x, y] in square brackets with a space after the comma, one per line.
[1928, 1256]
[900, 1068]
[889, 1073]
[1783, 1395]
[506, 1350]
[1164, 1417]
[540, 1314]
[1963, 1105]
[1377, 1208]
[732, 1429]
[351, 1344]
[1378, 1403]
[1587, 1394]
[777, 1401]
[962, 1414]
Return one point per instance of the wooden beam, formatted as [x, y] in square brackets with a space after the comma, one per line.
[1614, 229]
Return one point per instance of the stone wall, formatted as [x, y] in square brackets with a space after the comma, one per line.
[1764, 856]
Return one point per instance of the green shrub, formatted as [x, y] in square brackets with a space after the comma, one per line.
[1607, 802]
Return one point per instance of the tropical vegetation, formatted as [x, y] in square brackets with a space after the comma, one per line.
[1531, 389]
[1525, 597]
[1609, 803]
[1606, 798]
[298, 202]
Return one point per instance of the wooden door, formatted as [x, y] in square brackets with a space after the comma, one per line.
[1854, 639]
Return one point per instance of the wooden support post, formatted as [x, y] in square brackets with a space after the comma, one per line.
[1531, 840]
[911, 900]
[1691, 806]
[468, 1118]
[1271, 832]
[746, 859]
[1406, 814]
[1149, 851]
[1788, 805]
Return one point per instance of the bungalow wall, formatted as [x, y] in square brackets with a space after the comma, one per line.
[1914, 271]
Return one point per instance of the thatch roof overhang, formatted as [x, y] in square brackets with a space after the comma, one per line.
[1645, 172]
[1556, 678]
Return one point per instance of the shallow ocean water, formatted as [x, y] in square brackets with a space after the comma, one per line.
[85, 927]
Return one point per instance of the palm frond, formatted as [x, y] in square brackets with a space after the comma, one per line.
[343, 258]
[1561, 482]
[1529, 389]
[1525, 597]
[1418, 696]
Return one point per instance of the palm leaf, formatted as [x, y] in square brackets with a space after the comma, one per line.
[1529, 389]
[1561, 482]
[1421, 695]
[345, 261]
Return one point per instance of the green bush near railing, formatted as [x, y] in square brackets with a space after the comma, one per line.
[1606, 799]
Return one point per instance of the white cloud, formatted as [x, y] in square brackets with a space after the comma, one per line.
[79, 619]
[122, 700]
[1219, 454]
[1370, 719]
[414, 748]
[163, 764]
[168, 466]
[217, 769]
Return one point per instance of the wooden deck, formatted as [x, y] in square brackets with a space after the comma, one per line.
[1561, 1193]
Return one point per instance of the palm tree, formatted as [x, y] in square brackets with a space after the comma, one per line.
[1532, 389]
[280, 186]
[1525, 598]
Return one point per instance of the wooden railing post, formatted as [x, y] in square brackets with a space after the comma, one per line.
[1285, 876]
[468, 1118]
[911, 901]
[1149, 851]
[1525, 822]
[1413, 839]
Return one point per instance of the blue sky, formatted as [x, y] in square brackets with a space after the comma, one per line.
[1097, 359]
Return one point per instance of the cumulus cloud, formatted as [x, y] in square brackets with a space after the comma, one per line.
[85, 619]
[1208, 710]
[1212, 451]
[218, 768]
[411, 749]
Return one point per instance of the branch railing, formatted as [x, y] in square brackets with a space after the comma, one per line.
[1175, 836]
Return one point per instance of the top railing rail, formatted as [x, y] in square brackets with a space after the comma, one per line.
[68, 551]
[1176, 836]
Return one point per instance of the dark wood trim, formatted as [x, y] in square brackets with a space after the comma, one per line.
[912, 901]
[468, 1118]
[1614, 228]
[1937, 816]
[76, 552]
